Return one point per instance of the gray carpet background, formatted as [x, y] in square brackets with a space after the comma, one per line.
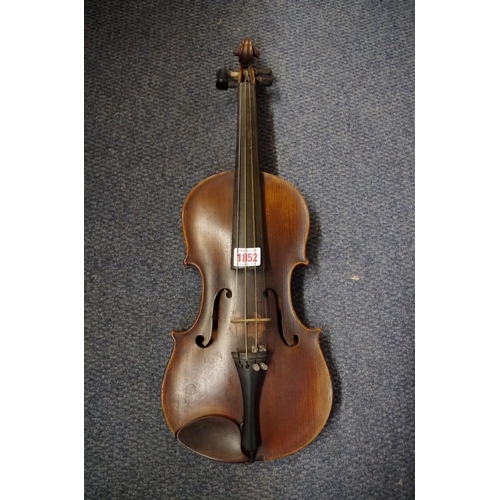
[339, 124]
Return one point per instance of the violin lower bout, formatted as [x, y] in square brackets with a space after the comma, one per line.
[201, 392]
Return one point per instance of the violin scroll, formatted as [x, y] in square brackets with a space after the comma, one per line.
[246, 52]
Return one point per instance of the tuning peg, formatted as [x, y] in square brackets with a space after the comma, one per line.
[263, 70]
[264, 76]
[265, 80]
[226, 79]
[222, 79]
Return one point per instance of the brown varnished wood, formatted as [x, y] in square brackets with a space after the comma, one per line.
[246, 51]
[202, 382]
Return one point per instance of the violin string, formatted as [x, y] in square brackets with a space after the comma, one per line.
[245, 86]
[253, 166]
[237, 173]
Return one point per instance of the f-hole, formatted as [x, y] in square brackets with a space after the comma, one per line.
[295, 338]
[200, 339]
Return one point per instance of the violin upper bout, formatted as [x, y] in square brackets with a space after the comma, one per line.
[207, 222]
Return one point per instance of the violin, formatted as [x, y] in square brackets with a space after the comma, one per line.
[247, 381]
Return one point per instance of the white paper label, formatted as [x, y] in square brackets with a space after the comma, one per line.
[245, 257]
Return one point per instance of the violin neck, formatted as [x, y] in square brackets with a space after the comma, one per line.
[247, 212]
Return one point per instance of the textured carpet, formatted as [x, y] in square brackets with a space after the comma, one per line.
[339, 124]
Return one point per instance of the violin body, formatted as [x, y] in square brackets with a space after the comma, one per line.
[248, 380]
